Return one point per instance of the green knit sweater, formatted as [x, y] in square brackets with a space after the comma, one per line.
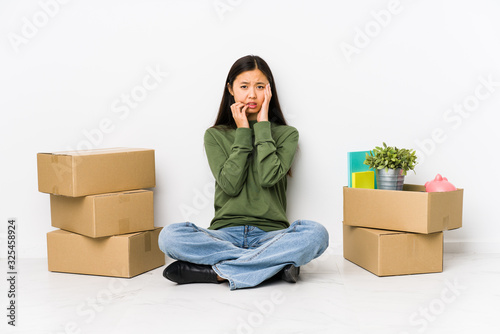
[250, 167]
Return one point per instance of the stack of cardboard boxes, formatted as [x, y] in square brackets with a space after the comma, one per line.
[390, 232]
[105, 215]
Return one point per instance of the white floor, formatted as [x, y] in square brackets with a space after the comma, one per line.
[333, 296]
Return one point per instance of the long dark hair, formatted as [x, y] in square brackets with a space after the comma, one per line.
[248, 63]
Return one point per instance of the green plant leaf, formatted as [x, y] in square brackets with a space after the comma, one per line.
[392, 157]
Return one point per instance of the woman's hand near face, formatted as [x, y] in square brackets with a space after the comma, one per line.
[239, 114]
[263, 114]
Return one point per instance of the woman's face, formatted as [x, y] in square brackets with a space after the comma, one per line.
[248, 88]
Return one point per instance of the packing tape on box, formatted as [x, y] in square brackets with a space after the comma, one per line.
[55, 190]
[124, 225]
[446, 223]
[54, 158]
[412, 246]
[147, 241]
[123, 198]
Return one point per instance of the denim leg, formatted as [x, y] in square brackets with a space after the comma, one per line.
[190, 243]
[300, 243]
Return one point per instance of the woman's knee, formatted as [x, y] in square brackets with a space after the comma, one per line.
[321, 234]
[170, 235]
[318, 234]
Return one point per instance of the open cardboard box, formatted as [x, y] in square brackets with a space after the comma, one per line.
[89, 172]
[105, 214]
[387, 253]
[124, 255]
[409, 210]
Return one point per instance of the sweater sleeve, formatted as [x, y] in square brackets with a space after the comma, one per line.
[230, 169]
[274, 157]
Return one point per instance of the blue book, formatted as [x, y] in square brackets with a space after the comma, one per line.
[355, 165]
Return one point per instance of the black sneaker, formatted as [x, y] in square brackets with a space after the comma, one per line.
[290, 273]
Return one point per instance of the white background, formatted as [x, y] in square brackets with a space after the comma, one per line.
[65, 68]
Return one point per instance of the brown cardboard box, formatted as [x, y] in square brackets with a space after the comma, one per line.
[410, 210]
[387, 253]
[81, 173]
[124, 255]
[105, 214]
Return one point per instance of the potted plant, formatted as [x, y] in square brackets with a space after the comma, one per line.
[391, 165]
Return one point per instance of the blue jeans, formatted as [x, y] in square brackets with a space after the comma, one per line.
[245, 255]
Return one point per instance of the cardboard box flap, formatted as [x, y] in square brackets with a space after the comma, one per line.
[118, 193]
[96, 151]
[378, 232]
[414, 187]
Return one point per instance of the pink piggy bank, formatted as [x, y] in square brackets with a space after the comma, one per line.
[439, 184]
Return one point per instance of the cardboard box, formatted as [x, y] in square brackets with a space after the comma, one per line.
[81, 173]
[124, 255]
[409, 210]
[387, 253]
[105, 214]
